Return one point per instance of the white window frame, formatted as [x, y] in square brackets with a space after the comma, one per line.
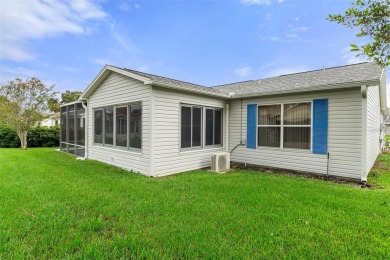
[282, 126]
[222, 127]
[201, 127]
[114, 146]
[203, 145]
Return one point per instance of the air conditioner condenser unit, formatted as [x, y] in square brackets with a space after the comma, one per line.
[220, 162]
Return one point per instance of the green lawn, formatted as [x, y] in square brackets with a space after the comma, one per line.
[52, 206]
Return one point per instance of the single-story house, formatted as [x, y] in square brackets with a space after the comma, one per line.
[326, 121]
[50, 120]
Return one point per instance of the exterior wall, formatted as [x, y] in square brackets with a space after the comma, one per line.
[387, 129]
[373, 132]
[118, 89]
[344, 135]
[49, 122]
[168, 158]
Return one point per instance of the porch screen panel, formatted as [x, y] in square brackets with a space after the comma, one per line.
[121, 126]
[135, 126]
[71, 124]
[80, 124]
[63, 124]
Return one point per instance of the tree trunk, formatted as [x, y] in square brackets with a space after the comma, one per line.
[23, 139]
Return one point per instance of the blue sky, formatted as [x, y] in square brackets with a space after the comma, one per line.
[67, 43]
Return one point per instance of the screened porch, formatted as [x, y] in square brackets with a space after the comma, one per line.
[72, 133]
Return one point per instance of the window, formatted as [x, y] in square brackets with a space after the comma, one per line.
[192, 122]
[98, 126]
[269, 126]
[135, 126]
[108, 126]
[297, 125]
[191, 125]
[285, 125]
[213, 127]
[119, 126]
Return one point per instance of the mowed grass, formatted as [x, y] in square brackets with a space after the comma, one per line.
[53, 206]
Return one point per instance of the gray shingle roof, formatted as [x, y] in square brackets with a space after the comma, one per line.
[316, 79]
[361, 73]
[159, 80]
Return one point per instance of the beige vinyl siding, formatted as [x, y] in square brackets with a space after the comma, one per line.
[118, 89]
[344, 135]
[168, 157]
[373, 126]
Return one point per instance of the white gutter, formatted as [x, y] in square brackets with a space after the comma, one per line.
[152, 132]
[86, 143]
[383, 94]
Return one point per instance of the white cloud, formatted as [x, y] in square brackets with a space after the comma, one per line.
[101, 61]
[256, 2]
[10, 73]
[296, 19]
[143, 68]
[260, 2]
[349, 57]
[244, 71]
[288, 38]
[120, 35]
[300, 29]
[23, 21]
[127, 6]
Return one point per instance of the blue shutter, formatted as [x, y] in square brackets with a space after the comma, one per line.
[251, 126]
[320, 126]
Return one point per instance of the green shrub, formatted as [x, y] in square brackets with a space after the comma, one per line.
[8, 138]
[36, 137]
[43, 137]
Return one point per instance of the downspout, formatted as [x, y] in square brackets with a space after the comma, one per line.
[363, 176]
[86, 128]
[227, 128]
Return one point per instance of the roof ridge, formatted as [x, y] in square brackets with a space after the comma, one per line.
[232, 83]
[323, 69]
[154, 75]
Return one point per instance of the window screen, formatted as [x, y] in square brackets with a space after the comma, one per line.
[135, 126]
[109, 125]
[121, 126]
[98, 126]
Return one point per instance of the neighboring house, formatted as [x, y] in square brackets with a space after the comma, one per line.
[50, 120]
[159, 126]
[387, 125]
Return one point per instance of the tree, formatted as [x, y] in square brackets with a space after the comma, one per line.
[23, 103]
[53, 104]
[373, 19]
[70, 96]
